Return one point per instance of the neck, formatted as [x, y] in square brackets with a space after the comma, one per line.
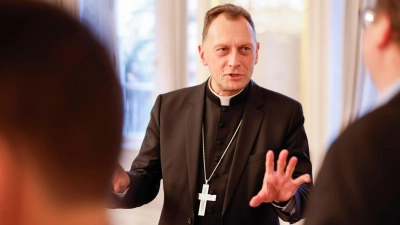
[384, 82]
[224, 99]
[222, 93]
[389, 69]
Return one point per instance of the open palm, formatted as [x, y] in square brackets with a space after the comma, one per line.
[278, 185]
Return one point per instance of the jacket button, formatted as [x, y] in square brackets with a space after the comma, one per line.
[219, 142]
[224, 109]
[221, 125]
[189, 220]
[216, 159]
[211, 192]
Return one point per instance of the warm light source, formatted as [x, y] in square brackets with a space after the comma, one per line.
[278, 16]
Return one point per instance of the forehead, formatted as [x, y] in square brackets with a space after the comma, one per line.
[224, 30]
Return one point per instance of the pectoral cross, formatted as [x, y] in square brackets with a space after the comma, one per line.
[204, 197]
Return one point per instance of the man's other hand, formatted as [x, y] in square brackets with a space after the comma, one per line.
[120, 180]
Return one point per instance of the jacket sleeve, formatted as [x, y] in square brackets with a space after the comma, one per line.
[297, 145]
[145, 173]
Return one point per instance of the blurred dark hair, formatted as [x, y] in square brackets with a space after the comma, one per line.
[231, 12]
[60, 99]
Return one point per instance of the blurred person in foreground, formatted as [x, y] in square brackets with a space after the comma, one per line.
[213, 145]
[358, 181]
[60, 119]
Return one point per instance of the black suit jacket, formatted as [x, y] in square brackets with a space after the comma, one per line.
[358, 182]
[172, 147]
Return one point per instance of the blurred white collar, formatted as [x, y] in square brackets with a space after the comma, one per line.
[386, 95]
[223, 99]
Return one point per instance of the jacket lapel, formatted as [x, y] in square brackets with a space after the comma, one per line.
[194, 119]
[251, 122]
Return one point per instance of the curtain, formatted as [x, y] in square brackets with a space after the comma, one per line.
[171, 42]
[354, 72]
[99, 16]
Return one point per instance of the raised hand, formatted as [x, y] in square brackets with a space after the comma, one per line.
[120, 179]
[278, 185]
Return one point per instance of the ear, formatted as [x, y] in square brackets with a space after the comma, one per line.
[257, 48]
[383, 30]
[201, 53]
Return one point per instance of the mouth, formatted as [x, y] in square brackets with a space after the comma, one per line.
[234, 74]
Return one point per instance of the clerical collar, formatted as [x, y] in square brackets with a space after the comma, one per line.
[226, 100]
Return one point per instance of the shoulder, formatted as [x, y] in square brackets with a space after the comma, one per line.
[275, 97]
[271, 98]
[377, 125]
[182, 96]
[384, 119]
[183, 91]
[374, 136]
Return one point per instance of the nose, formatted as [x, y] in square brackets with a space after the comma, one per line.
[234, 59]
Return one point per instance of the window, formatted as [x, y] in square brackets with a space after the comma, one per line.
[136, 48]
[147, 30]
[192, 41]
[284, 16]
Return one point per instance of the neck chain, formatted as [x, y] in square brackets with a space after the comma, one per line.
[204, 157]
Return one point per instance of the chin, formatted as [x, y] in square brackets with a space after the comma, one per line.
[236, 88]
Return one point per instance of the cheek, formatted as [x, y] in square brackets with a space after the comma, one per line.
[249, 60]
[3, 193]
[366, 52]
[8, 190]
[218, 66]
[367, 43]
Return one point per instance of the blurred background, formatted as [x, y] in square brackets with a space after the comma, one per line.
[310, 50]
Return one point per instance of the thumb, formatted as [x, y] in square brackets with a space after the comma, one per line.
[255, 201]
[305, 178]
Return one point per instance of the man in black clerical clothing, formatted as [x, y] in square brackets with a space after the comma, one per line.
[209, 143]
[358, 181]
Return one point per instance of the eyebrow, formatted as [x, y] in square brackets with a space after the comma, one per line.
[225, 45]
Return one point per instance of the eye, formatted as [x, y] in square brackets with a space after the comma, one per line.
[246, 49]
[222, 49]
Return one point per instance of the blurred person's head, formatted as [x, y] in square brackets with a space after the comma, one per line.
[229, 48]
[381, 46]
[60, 118]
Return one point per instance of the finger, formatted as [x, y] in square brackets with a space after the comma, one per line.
[291, 166]
[305, 178]
[269, 162]
[281, 163]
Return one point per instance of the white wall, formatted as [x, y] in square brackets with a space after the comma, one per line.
[278, 68]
